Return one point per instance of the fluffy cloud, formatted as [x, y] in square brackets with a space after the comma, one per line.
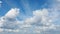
[39, 23]
[12, 13]
[9, 19]
[39, 15]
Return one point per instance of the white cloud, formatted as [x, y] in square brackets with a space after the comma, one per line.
[12, 13]
[10, 17]
[40, 22]
[39, 15]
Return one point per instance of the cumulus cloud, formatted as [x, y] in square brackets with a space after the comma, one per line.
[12, 13]
[40, 17]
[45, 22]
[9, 19]
[40, 22]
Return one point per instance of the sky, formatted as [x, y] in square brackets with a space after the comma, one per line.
[29, 16]
[24, 5]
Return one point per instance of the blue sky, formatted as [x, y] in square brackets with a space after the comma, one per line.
[30, 16]
[26, 6]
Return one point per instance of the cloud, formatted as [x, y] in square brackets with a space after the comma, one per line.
[40, 22]
[12, 13]
[41, 18]
[10, 17]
